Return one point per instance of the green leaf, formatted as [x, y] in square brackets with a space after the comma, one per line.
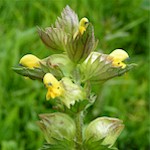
[96, 145]
[35, 74]
[60, 145]
[78, 106]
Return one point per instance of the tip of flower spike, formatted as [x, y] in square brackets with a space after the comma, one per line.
[30, 61]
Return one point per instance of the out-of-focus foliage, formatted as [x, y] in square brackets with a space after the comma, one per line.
[117, 24]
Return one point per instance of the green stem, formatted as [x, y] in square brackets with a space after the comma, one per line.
[79, 123]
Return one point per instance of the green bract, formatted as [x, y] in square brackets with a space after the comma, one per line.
[72, 92]
[58, 64]
[98, 68]
[79, 48]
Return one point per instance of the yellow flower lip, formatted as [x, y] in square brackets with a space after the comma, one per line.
[30, 61]
[50, 80]
[84, 21]
[54, 87]
[83, 24]
[118, 56]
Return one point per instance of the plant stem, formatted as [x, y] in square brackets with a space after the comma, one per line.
[79, 123]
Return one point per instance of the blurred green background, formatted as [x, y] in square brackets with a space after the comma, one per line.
[118, 24]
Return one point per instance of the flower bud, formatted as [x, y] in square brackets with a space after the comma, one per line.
[105, 129]
[57, 126]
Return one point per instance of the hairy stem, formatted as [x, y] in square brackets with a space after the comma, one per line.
[79, 123]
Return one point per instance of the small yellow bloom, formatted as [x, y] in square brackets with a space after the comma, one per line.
[30, 61]
[54, 87]
[83, 24]
[118, 56]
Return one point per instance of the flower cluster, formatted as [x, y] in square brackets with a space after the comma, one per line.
[68, 74]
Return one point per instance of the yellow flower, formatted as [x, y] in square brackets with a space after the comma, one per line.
[30, 61]
[117, 57]
[83, 24]
[54, 87]
[65, 90]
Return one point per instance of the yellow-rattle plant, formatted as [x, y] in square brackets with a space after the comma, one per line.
[68, 76]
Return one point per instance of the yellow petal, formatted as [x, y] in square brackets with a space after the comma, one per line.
[117, 63]
[30, 61]
[48, 95]
[53, 95]
[119, 55]
[55, 88]
[82, 30]
[49, 80]
[83, 24]
[58, 91]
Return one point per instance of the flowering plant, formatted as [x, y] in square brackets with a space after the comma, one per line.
[68, 76]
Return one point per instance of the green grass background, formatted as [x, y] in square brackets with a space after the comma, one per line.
[118, 24]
